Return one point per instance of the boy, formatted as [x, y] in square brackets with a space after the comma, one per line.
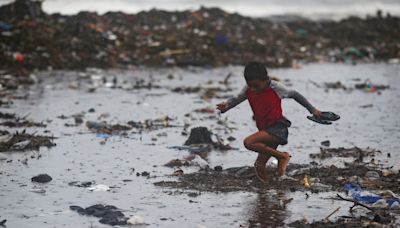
[265, 97]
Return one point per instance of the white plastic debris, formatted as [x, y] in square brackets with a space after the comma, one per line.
[380, 203]
[99, 188]
[395, 205]
[21, 145]
[135, 220]
[200, 226]
[198, 161]
[109, 84]
[38, 190]
[5, 138]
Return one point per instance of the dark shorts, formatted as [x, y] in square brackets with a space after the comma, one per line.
[280, 130]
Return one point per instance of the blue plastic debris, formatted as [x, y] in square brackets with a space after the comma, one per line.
[4, 26]
[103, 136]
[361, 196]
[221, 39]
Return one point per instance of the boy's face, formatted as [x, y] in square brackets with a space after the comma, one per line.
[257, 85]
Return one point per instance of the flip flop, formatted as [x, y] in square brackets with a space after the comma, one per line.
[330, 116]
[319, 120]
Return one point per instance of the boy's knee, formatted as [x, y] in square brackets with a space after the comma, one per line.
[247, 143]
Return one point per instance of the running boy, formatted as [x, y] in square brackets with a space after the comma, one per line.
[265, 97]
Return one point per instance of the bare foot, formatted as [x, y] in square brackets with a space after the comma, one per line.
[283, 163]
[261, 171]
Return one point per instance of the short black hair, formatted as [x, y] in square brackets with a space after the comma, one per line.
[255, 71]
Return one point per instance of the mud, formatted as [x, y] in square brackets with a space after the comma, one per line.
[329, 178]
[298, 178]
[348, 222]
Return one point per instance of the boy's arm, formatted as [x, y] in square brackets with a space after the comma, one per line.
[232, 102]
[284, 92]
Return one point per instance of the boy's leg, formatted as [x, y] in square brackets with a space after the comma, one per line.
[259, 166]
[266, 144]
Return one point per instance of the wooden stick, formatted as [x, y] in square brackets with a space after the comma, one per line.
[333, 212]
[356, 203]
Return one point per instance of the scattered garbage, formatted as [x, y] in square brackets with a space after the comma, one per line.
[299, 177]
[23, 141]
[362, 196]
[135, 220]
[177, 162]
[108, 214]
[42, 178]
[370, 87]
[306, 181]
[104, 129]
[153, 124]
[205, 110]
[20, 145]
[84, 184]
[372, 175]
[199, 135]
[3, 222]
[326, 143]
[367, 86]
[21, 124]
[199, 161]
[119, 39]
[354, 152]
[15, 121]
[99, 188]
[115, 39]
[38, 190]
[7, 115]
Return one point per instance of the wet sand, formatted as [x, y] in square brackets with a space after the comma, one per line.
[81, 155]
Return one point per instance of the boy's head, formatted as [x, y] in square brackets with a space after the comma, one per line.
[255, 71]
[256, 75]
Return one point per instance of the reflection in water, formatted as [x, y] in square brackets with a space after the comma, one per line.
[269, 209]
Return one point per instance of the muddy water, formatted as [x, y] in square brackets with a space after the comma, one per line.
[82, 156]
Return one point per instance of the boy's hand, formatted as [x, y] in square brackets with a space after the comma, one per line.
[317, 113]
[223, 107]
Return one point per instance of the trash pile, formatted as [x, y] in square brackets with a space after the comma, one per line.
[299, 178]
[383, 199]
[11, 121]
[105, 128]
[23, 141]
[379, 196]
[12, 79]
[354, 152]
[32, 39]
[366, 86]
[153, 124]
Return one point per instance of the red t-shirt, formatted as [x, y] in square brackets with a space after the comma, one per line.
[266, 106]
